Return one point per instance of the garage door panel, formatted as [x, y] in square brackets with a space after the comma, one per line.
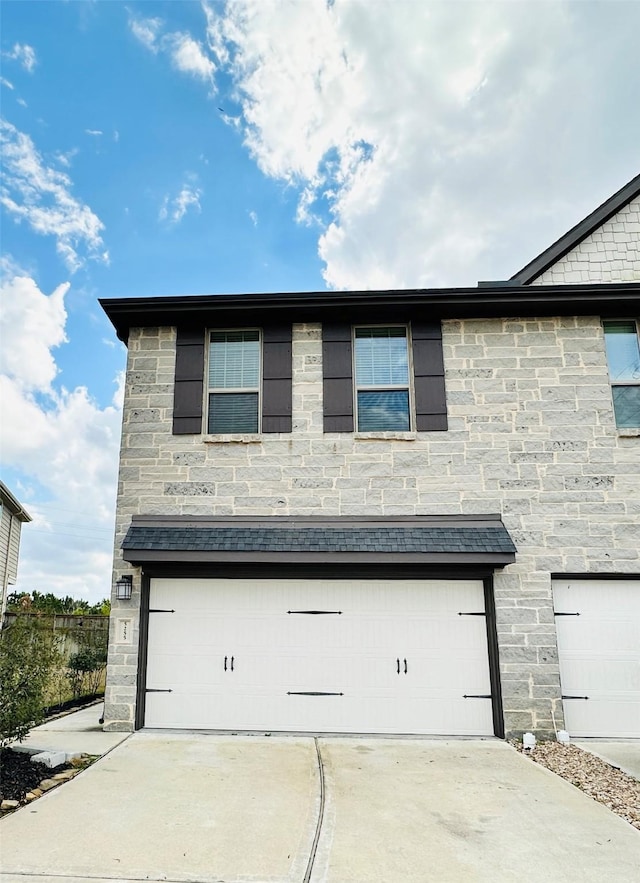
[168, 671]
[279, 654]
[593, 717]
[617, 674]
[603, 635]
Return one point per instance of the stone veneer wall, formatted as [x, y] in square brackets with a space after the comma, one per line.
[610, 254]
[531, 435]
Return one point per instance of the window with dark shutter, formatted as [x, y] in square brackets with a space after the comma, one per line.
[381, 388]
[248, 374]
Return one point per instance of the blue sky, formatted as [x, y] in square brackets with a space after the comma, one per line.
[268, 145]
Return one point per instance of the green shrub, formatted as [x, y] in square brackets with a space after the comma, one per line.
[85, 670]
[28, 656]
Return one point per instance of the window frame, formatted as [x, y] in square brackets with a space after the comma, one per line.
[616, 383]
[209, 390]
[390, 387]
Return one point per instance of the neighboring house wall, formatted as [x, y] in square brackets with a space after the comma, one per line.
[9, 546]
[12, 516]
[531, 436]
[609, 254]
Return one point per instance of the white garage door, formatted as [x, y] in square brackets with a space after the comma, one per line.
[598, 626]
[374, 656]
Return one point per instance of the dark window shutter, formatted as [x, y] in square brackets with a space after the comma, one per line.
[189, 380]
[337, 371]
[276, 378]
[428, 370]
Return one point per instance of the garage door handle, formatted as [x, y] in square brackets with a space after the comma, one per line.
[232, 663]
[405, 666]
[575, 697]
[225, 663]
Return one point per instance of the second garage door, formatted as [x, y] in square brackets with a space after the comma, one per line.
[376, 656]
[598, 626]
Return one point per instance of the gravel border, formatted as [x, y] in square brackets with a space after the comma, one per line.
[612, 787]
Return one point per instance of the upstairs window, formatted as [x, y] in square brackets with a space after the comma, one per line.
[382, 379]
[623, 357]
[234, 381]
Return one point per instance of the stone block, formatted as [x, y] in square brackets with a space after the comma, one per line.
[517, 723]
[120, 712]
[49, 758]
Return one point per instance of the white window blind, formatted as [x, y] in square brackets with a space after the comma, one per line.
[382, 379]
[623, 357]
[234, 381]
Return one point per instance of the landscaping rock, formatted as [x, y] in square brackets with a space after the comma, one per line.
[608, 785]
[9, 804]
[79, 760]
[19, 776]
[48, 784]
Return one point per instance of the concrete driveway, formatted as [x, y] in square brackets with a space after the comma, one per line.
[188, 807]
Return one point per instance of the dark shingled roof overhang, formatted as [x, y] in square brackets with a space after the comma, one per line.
[477, 539]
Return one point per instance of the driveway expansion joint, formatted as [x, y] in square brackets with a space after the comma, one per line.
[316, 838]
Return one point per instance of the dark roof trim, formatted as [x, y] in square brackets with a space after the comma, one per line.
[489, 300]
[435, 540]
[578, 233]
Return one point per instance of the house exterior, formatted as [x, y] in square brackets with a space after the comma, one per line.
[12, 516]
[408, 512]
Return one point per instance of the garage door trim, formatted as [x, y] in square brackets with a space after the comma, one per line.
[266, 572]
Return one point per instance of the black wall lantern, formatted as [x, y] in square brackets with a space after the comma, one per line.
[124, 587]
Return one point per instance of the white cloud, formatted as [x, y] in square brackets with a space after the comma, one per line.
[65, 158]
[417, 132]
[174, 210]
[7, 83]
[146, 30]
[96, 132]
[24, 54]
[34, 323]
[187, 55]
[254, 218]
[62, 443]
[41, 196]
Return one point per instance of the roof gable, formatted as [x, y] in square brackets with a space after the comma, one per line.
[577, 234]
